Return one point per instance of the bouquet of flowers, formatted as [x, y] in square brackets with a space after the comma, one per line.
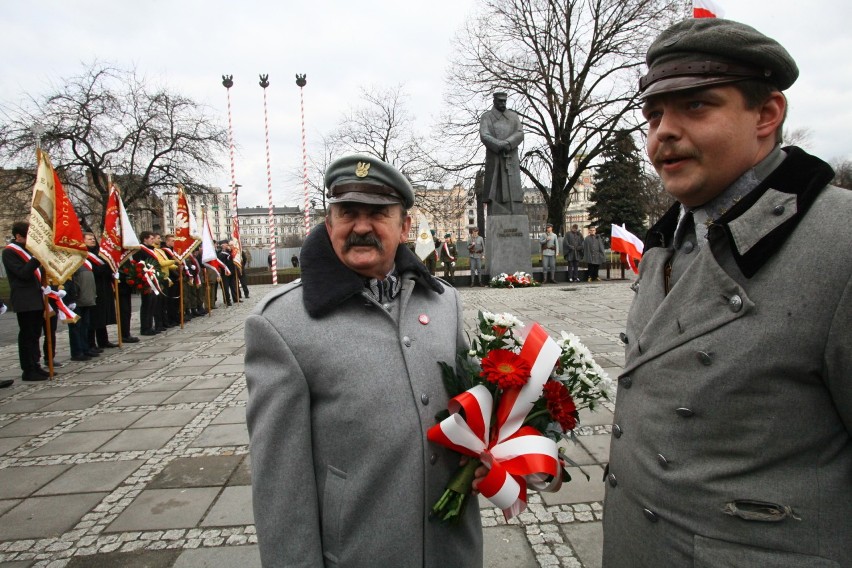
[516, 280]
[141, 276]
[513, 395]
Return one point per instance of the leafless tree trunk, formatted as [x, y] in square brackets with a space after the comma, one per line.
[111, 121]
[571, 70]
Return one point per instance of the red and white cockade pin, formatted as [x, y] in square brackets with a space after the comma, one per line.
[424, 319]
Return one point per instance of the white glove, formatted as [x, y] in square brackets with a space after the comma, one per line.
[452, 264]
[72, 306]
[3, 309]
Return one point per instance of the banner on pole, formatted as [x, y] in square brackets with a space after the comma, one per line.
[187, 237]
[118, 240]
[707, 9]
[425, 244]
[630, 245]
[55, 237]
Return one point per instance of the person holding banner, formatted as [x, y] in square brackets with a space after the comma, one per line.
[343, 379]
[27, 299]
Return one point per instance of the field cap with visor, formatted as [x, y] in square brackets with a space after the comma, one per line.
[366, 179]
[703, 52]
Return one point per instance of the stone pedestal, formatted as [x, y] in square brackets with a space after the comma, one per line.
[507, 244]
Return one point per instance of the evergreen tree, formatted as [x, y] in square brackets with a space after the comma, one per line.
[616, 197]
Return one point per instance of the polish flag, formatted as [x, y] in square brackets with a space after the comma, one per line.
[707, 9]
[208, 249]
[626, 242]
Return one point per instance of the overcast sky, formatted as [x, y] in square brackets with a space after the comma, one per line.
[341, 46]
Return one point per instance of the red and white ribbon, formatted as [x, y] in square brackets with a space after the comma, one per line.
[65, 313]
[26, 256]
[511, 450]
[149, 274]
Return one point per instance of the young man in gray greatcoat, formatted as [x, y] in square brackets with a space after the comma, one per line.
[343, 378]
[732, 441]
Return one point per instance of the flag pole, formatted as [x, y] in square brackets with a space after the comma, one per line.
[207, 291]
[115, 282]
[301, 81]
[264, 82]
[47, 338]
[180, 291]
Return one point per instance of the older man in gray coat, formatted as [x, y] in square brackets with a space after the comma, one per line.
[343, 376]
[732, 441]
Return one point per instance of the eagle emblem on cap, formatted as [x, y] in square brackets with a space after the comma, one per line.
[362, 169]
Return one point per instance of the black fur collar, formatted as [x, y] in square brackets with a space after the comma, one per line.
[327, 282]
[800, 174]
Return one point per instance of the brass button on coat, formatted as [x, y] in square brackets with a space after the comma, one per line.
[685, 412]
[650, 515]
[616, 431]
[662, 460]
[705, 358]
[424, 398]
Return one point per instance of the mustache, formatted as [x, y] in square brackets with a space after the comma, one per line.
[667, 151]
[368, 240]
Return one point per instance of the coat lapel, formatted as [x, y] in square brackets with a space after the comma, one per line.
[663, 322]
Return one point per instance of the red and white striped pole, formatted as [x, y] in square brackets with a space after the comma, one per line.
[228, 82]
[264, 82]
[301, 81]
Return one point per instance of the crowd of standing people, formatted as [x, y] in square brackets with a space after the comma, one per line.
[185, 288]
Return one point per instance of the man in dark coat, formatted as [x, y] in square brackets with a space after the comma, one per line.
[103, 314]
[732, 441]
[593, 254]
[27, 299]
[572, 247]
[343, 378]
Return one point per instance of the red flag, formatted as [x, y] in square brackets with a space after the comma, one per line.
[186, 240]
[55, 237]
[707, 9]
[624, 241]
[118, 240]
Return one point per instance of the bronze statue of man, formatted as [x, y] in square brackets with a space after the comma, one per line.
[500, 132]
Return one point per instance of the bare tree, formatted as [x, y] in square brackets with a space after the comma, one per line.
[653, 198]
[842, 173]
[797, 137]
[570, 68]
[380, 125]
[111, 121]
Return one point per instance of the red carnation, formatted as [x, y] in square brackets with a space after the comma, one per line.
[561, 405]
[131, 281]
[505, 368]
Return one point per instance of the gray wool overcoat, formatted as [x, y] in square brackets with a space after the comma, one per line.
[732, 435]
[341, 394]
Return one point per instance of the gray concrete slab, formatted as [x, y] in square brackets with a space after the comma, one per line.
[26, 426]
[507, 546]
[586, 539]
[108, 421]
[242, 556]
[137, 559]
[143, 399]
[75, 442]
[9, 444]
[27, 519]
[222, 435]
[232, 507]
[231, 415]
[157, 509]
[174, 384]
[197, 395]
[158, 418]
[202, 471]
[208, 382]
[140, 439]
[242, 475]
[73, 403]
[90, 477]
[22, 482]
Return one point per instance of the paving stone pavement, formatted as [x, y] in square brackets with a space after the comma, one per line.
[138, 458]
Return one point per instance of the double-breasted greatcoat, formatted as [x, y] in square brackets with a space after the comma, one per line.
[342, 390]
[732, 436]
